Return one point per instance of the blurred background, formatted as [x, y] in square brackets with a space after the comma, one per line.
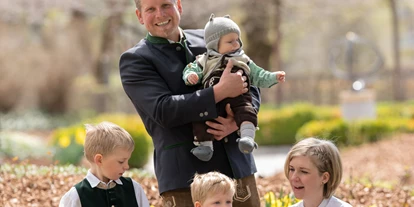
[59, 62]
[59, 70]
[62, 56]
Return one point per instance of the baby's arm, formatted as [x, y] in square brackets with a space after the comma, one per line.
[192, 74]
[142, 199]
[262, 78]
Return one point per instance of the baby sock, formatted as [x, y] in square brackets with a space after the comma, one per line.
[246, 142]
[203, 151]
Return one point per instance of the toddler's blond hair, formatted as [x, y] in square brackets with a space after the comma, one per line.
[211, 183]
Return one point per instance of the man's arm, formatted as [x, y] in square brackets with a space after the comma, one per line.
[152, 96]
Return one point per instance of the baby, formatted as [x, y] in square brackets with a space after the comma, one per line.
[223, 43]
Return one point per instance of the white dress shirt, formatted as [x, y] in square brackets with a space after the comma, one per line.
[328, 202]
[71, 198]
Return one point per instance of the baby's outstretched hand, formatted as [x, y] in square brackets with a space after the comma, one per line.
[192, 78]
[280, 76]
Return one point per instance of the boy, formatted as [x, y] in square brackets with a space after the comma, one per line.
[212, 189]
[223, 43]
[108, 148]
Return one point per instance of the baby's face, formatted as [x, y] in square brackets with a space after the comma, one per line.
[229, 43]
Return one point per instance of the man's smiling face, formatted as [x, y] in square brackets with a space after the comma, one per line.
[161, 17]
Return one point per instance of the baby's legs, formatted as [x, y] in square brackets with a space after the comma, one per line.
[204, 150]
[246, 140]
[203, 141]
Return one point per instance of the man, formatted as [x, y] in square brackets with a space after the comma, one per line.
[151, 76]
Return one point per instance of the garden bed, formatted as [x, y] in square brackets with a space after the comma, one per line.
[377, 174]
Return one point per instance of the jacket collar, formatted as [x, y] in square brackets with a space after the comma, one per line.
[160, 40]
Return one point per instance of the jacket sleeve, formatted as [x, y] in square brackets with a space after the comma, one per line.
[261, 77]
[153, 98]
[193, 67]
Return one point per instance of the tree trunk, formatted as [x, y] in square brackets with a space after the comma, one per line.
[276, 56]
[398, 89]
[111, 27]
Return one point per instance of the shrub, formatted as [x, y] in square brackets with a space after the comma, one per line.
[372, 130]
[69, 141]
[279, 127]
[335, 130]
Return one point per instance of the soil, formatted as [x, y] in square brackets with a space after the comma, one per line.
[390, 160]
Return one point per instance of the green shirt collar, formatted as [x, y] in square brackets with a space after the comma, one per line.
[160, 40]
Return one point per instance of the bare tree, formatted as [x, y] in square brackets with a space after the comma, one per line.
[398, 83]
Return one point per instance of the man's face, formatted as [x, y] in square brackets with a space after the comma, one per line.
[161, 17]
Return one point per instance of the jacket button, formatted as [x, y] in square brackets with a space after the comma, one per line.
[178, 48]
[226, 139]
[201, 114]
[206, 113]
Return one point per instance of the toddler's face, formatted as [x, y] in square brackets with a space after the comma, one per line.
[229, 43]
[218, 200]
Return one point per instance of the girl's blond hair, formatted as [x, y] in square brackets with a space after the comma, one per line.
[324, 155]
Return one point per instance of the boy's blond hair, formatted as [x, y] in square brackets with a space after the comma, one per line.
[104, 137]
[211, 183]
[324, 155]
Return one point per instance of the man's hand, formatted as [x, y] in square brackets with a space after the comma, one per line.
[230, 84]
[192, 78]
[224, 127]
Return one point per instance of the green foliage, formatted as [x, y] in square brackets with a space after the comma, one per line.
[280, 126]
[370, 130]
[68, 142]
[292, 123]
[335, 130]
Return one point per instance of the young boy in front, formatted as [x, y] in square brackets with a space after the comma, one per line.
[212, 189]
[108, 148]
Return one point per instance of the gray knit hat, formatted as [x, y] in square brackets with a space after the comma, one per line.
[216, 27]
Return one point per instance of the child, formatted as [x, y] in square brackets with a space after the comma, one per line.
[314, 170]
[108, 148]
[212, 189]
[223, 43]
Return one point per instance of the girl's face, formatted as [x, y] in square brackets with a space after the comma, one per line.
[217, 200]
[306, 181]
[228, 43]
